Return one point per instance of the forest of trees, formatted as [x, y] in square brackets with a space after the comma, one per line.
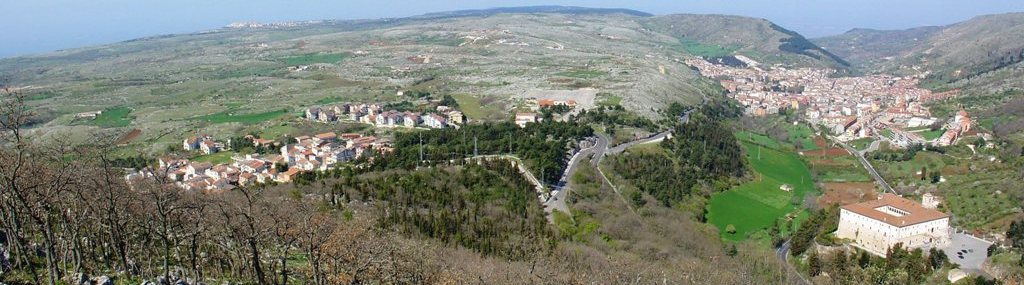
[488, 208]
[616, 116]
[900, 266]
[700, 150]
[543, 146]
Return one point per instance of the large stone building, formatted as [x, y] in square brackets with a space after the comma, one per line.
[879, 224]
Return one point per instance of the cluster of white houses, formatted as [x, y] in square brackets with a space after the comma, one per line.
[308, 153]
[373, 114]
[203, 143]
[878, 225]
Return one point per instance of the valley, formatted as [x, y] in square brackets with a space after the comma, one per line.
[530, 145]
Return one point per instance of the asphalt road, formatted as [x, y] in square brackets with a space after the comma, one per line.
[867, 165]
[782, 253]
[599, 150]
[596, 153]
[652, 139]
[557, 199]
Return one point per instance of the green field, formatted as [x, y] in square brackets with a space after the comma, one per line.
[758, 139]
[277, 131]
[861, 144]
[802, 135]
[842, 175]
[757, 204]
[308, 59]
[216, 158]
[696, 48]
[470, 105]
[907, 171]
[329, 100]
[607, 99]
[886, 133]
[931, 135]
[116, 117]
[231, 117]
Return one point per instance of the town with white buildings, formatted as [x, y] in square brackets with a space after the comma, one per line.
[850, 107]
[307, 153]
[375, 115]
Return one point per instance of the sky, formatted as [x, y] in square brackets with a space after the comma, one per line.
[38, 26]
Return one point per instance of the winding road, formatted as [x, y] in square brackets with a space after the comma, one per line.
[867, 165]
[652, 139]
[782, 252]
[557, 199]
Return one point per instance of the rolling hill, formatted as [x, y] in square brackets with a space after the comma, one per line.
[969, 50]
[982, 57]
[171, 84]
[866, 47]
[756, 38]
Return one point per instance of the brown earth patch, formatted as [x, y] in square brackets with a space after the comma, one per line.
[128, 137]
[843, 193]
[826, 152]
[826, 162]
[820, 142]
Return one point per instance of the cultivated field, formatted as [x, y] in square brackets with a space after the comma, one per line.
[758, 204]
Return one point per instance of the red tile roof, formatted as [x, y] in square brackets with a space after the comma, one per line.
[915, 213]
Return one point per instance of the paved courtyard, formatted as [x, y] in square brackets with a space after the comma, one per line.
[967, 251]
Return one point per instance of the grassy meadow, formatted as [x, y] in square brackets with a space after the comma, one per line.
[758, 204]
[232, 117]
[115, 117]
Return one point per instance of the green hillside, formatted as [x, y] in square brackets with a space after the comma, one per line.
[759, 39]
[960, 51]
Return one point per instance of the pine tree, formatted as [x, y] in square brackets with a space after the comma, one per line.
[864, 260]
[813, 264]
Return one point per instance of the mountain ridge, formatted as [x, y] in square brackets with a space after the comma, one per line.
[556, 9]
[952, 52]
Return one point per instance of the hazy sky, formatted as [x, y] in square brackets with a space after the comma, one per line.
[36, 26]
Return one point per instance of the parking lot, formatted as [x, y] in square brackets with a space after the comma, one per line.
[967, 251]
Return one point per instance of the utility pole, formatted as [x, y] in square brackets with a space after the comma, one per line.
[421, 150]
[476, 151]
[542, 183]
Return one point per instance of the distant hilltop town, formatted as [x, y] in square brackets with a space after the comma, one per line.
[253, 24]
[850, 107]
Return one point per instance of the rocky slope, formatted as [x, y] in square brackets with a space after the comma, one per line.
[960, 51]
[501, 57]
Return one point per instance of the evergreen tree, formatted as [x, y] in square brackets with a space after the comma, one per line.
[864, 260]
[813, 264]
